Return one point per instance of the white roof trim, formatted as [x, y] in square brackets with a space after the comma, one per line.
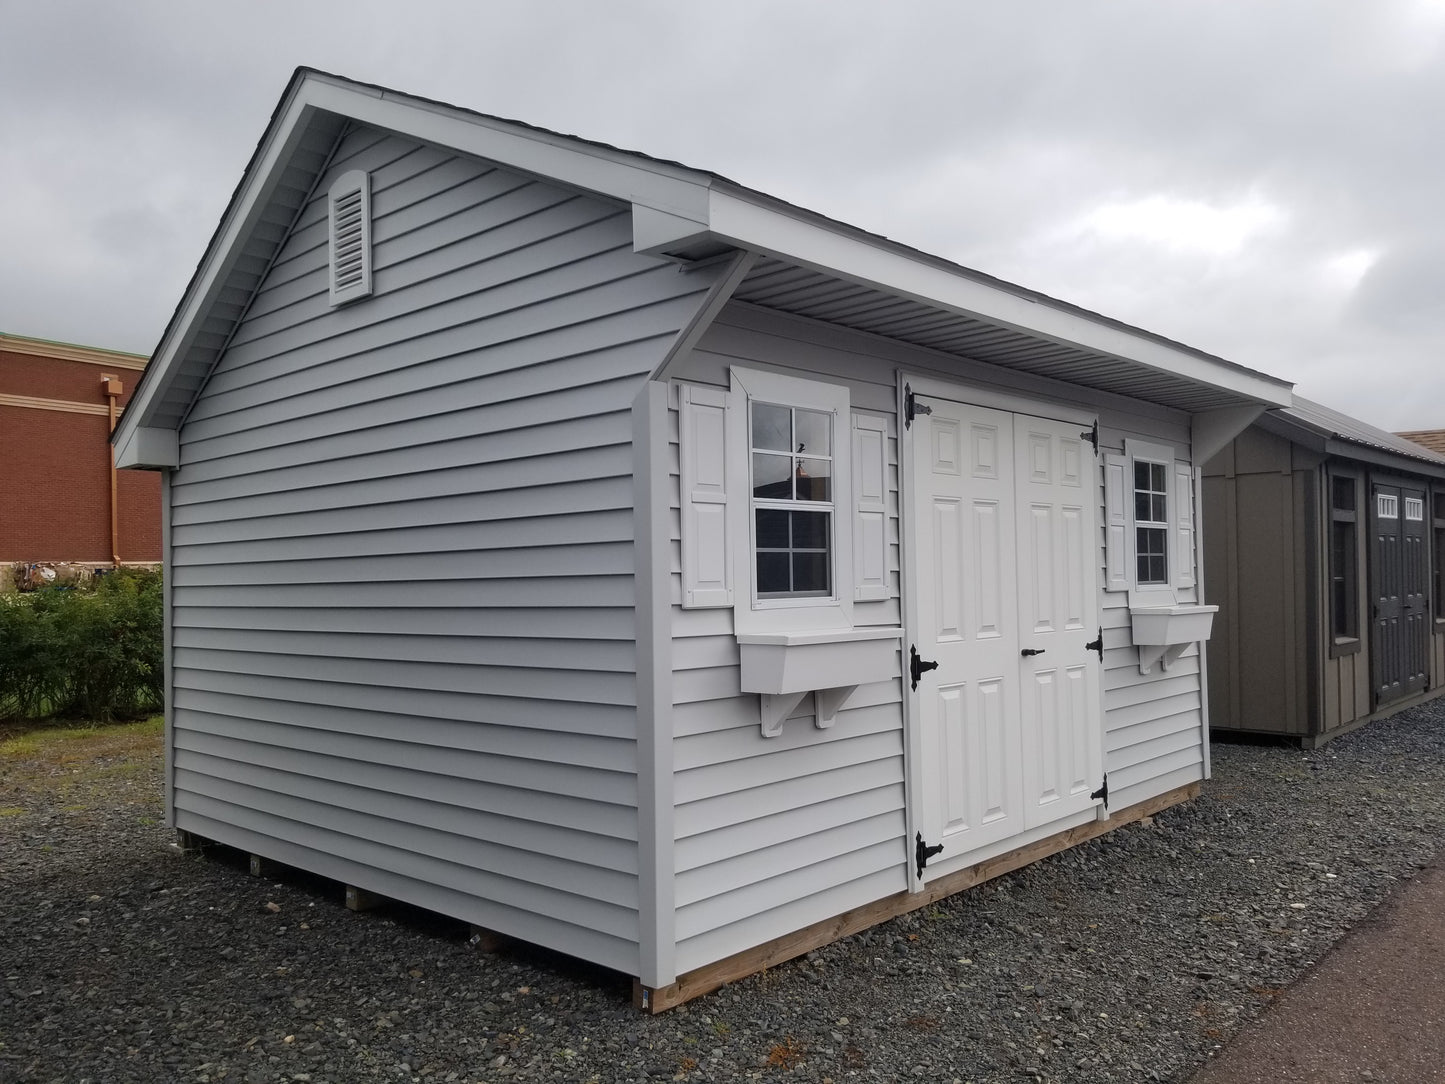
[623, 176]
[144, 446]
[669, 201]
[776, 233]
[243, 214]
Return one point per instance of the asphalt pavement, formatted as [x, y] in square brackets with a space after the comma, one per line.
[1372, 1010]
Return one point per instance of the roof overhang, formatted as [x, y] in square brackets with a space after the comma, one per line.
[1325, 440]
[829, 270]
[988, 319]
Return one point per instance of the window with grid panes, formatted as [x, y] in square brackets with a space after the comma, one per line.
[792, 500]
[1151, 521]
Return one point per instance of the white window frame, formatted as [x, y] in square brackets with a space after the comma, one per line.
[1180, 555]
[1165, 466]
[752, 614]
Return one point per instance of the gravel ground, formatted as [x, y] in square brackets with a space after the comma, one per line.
[1130, 958]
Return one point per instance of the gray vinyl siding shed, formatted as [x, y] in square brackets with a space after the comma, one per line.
[433, 618]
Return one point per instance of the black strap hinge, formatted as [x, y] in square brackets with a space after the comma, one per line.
[1097, 645]
[1092, 436]
[917, 667]
[923, 852]
[912, 407]
[1102, 792]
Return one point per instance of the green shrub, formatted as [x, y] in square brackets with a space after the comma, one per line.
[90, 654]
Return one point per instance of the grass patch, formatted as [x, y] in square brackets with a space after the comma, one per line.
[80, 767]
[81, 741]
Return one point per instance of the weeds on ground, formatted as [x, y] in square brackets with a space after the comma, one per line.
[76, 765]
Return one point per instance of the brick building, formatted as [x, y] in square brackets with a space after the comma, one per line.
[55, 420]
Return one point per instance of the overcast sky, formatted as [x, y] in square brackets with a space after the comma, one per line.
[1262, 179]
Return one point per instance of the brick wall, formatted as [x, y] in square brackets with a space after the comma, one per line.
[55, 468]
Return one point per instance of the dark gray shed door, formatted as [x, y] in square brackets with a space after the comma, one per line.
[1399, 578]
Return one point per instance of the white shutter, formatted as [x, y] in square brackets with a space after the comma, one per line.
[349, 217]
[1183, 497]
[1116, 523]
[870, 508]
[706, 561]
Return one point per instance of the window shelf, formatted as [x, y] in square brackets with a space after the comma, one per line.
[1163, 633]
[784, 667]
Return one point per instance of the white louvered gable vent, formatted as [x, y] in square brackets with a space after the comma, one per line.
[350, 212]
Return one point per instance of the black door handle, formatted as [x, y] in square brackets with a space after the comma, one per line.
[1026, 652]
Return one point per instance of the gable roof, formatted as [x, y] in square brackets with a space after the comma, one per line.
[1337, 433]
[802, 263]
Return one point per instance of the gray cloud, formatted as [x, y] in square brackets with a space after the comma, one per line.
[1002, 136]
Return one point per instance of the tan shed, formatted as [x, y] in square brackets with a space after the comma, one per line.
[1325, 552]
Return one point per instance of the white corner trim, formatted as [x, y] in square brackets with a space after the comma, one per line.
[657, 885]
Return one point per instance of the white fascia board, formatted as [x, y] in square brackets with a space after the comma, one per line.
[775, 232]
[219, 260]
[626, 177]
[147, 447]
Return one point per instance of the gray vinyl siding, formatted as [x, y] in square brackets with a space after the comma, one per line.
[403, 566]
[775, 834]
[1154, 729]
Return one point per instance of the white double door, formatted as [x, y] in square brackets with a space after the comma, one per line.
[1004, 599]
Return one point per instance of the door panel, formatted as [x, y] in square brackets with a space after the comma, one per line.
[967, 621]
[1005, 507]
[1061, 713]
[1415, 580]
[1399, 580]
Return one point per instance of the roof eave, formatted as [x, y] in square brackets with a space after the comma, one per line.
[1327, 441]
[663, 186]
[674, 208]
[878, 263]
[287, 123]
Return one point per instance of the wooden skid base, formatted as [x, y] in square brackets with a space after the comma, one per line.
[187, 843]
[359, 899]
[706, 979]
[489, 941]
